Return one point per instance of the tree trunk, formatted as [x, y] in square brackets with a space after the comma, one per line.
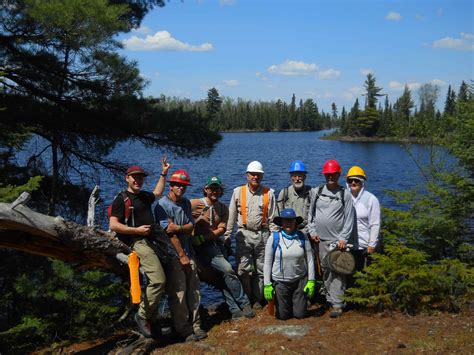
[36, 233]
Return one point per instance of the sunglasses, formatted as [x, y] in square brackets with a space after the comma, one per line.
[351, 181]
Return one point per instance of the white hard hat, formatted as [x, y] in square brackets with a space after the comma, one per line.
[255, 167]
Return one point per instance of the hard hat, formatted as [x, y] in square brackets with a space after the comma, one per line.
[297, 166]
[181, 177]
[356, 172]
[331, 167]
[213, 181]
[255, 167]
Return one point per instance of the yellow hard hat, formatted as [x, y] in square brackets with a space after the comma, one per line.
[356, 171]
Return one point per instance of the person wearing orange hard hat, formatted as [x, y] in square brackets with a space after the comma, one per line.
[174, 214]
[367, 208]
[331, 218]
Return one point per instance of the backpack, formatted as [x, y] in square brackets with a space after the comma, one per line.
[307, 189]
[320, 193]
[128, 207]
[276, 245]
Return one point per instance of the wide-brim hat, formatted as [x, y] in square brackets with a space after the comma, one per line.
[341, 262]
[287, 213]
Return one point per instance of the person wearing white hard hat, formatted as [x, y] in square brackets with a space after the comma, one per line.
[253, 208]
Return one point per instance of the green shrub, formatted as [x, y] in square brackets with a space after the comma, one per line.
[402, 279]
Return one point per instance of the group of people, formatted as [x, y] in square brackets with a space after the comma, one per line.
[281, 243]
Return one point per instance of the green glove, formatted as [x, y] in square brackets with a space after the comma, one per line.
[309, 288]
[198, 240]
[268, 292]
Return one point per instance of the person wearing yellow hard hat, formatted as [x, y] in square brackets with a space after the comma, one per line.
[368, 215]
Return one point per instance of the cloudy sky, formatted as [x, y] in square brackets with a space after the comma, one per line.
[320, 49]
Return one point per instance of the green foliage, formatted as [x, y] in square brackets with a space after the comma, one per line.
[402, 279]
[9, 193]
[48, 301]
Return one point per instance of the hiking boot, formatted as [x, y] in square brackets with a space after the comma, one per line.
[335, 312]
[257, 306]
[200, 334]
[144, 326]
[238, 314]
[191, 338]
[248, 312]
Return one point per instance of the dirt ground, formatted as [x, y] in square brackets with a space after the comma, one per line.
[356, 332]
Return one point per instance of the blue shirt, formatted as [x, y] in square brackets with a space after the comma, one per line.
[179, 213]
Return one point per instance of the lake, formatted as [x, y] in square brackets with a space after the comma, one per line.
[387, 165]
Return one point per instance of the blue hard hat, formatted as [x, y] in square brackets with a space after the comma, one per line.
[297, 166]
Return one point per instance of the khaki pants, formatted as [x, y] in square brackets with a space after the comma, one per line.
[184, 296]
[250, 247]
[151, 265]
[334, 283]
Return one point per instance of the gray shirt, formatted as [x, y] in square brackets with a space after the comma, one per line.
[329, 218]
[290, 198]
[290, 262]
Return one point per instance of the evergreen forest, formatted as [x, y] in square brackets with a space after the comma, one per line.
[62, 79]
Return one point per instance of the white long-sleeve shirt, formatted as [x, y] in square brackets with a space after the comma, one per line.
[368, 218]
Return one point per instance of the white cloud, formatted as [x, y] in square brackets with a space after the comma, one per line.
[329, 74]
[398, 86]
[464, 43]
[438, 82]
[142, 30]
[293, 68]
[232, 82]
[393, 16]
[366, 71]
[226, 2]
[353, 92]
[163, 41]
[261, 76]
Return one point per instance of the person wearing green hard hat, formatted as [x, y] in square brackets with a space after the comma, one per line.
[210, 222]
[288, 272]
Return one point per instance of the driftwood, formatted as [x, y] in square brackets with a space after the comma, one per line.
[36, 233]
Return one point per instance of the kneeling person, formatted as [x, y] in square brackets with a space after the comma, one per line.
[211, 217]
[289, 267]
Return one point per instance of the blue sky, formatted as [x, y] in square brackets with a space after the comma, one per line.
[270, 49]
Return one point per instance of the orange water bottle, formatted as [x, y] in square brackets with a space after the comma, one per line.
[133, 266]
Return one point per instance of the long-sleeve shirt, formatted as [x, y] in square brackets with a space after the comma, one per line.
[328, 217]
[289, 262]
[368, 218]
[290, 198]
[254, 210]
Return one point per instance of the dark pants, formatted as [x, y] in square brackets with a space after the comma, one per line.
[290, 299]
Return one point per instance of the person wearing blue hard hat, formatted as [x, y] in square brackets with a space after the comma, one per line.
[288, 272]
[296, 196]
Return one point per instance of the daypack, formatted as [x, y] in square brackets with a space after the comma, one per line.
[320, 193]
[128, 208]
[307, 189]
[276, 245]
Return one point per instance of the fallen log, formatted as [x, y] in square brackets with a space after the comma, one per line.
[36, 233]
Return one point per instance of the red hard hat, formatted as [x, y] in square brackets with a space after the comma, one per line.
[181, 177]
[331, 167]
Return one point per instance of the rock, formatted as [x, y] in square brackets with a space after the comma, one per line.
[291, 331]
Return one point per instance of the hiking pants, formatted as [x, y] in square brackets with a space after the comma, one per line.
[151, 265]
[183, 296]
[290, 300]
[211, 260]
[250, 247]
[334, 283]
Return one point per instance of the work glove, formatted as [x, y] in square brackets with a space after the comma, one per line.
[309, 288]
[198, 240]
[268, 292]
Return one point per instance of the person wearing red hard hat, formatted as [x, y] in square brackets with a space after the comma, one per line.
[136, 228]
[174, 214]
[330, 224]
